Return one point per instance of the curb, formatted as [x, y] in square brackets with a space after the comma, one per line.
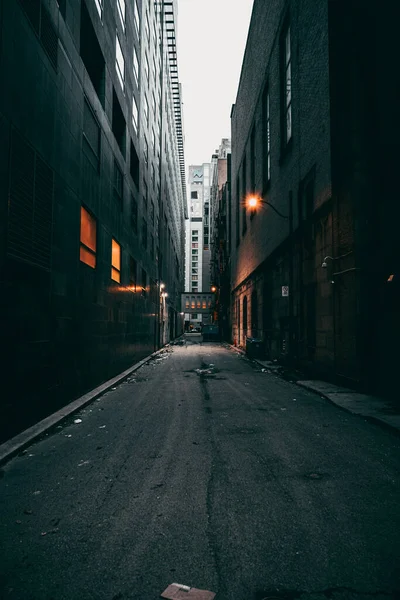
[20, 441]
[370, 418]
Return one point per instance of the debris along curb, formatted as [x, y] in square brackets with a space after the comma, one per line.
[374, 410]
[25, 438]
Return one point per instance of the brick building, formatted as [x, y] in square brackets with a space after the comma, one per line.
[92, 195]
[314, 264]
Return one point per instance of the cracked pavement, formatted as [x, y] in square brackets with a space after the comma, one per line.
[203, 470]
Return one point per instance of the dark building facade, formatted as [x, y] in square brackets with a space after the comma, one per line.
[315, 262]
[92, 195]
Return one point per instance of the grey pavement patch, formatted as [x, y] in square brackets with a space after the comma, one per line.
[17, 443]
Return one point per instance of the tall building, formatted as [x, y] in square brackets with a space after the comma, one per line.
[198, 253]
[315, 256]
[219, 227]
[92, 195]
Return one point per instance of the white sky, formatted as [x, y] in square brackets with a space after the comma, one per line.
[211, 40]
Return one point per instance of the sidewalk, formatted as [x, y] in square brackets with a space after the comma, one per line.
[372, 408]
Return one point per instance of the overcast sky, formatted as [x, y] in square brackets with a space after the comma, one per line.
[211, 41]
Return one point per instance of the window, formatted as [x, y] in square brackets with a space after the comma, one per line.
[187, 302]
[198, 303]
[120, 62]
[99, 6]
[136, 17]
[134, 167]
[287, 87]
[193, 302]
[135, 114]
[195, 238]
[121, 11]
[91, 54]
[244, 190]
[145, 193]
[132, 273]
[195, 277]
[134, 214]
[245, 315]
[118, 124]
[195, 232]
[135, 66]
[195, 252]
[195, 271]
[91, 135]
[194, 195]
[267, 137]
[144, 233]
[118, 184]
[146, 111]
[87, 253]
[195, 245]
[147, 26]
[115, 261]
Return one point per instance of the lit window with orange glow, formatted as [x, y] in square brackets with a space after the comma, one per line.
[87, 253]
[116, 261]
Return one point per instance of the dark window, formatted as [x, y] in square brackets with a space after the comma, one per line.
[134, 165]
[41, 22]
[266, 137]
[91, 135]
[48, 36]
[30, 205]
[62, 5]
[144, 232]
[254, 314]
[286, 97]
[91, 54]
[145, 194]
[118, 123]
[193, 195]
[32, 10]
[244, 190]
[134, 214]
[245, 315]
[88, 238]
[118, 184]
[196, 219]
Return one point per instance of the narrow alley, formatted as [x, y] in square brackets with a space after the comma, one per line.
[202, 469]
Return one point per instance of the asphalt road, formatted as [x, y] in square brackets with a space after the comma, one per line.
[234, 481]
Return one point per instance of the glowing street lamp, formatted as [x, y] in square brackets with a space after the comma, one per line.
[213, 288]
[252, 202]
[162, 286]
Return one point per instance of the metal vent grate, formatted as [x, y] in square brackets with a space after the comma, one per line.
[30, 205]
[48, 37]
